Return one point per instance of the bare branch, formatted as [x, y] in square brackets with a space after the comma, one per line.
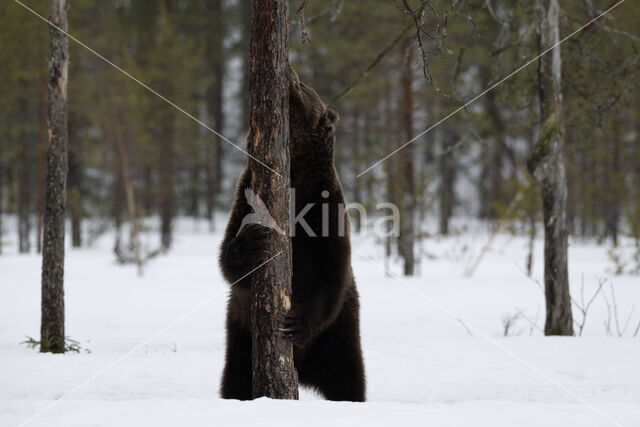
[532, 323]
[371, 66]
[303, 28]
[584, 308]
[612, 308]
[495, 232]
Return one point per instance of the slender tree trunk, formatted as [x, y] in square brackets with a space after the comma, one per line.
[215, 101]
[546, 165]
[274, 374]
[167, 209]
[24, 190]
[118, 201]
[408, 198]
[52, 327]
[357, 166]
[149, 194]
[390, 169]
[41, 146]
[612, 207]
[447, 171]
[193, 202]
[218, 122]
[166, 170]
[123, 157]
[74, 183]
[532, 211]
[492, 182]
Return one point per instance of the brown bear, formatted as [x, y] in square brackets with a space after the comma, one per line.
[323, 322]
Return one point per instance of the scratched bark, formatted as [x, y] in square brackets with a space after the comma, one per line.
[52, 322]
[546, 164]
[274, 374]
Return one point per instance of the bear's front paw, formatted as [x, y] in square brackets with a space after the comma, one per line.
[250, 247]
[295, 328]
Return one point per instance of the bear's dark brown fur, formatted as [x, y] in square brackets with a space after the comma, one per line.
[323, 322]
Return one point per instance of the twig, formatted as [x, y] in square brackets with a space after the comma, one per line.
[372, 65]
[584, 308]
[532, 323]
[495, 232]
[613, 308]
[607, 323]
[508, 320]
[303, 28]
[533, 279]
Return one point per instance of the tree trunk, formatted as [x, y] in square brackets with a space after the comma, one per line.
[391, 181]
[166, 179]
[447, 171]
[357, 167]
[408, 198]
[41, 146]
[52, 326]
[614, 174]
[274, 374]
[492, 181]
[125, 179]
[546, 165]
[215, 151]
[245, 31]
[118, 200]
[24, 190]
[74, 183]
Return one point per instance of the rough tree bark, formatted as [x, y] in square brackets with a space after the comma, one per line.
[52, 322]
[274, 374]
[244, 45]
[406, 239]
[546, 165]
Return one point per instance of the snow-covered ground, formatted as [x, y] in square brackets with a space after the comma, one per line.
[152, 346]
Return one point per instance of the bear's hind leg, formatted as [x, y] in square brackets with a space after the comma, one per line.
[237, 377]
[333, 362]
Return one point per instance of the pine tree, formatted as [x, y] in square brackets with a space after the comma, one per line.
[274, 374]
[52, 338]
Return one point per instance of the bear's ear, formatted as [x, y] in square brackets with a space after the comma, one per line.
[332, 116]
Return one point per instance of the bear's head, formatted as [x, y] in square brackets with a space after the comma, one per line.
[311, 123]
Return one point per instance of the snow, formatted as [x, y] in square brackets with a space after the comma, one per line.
[156, 342]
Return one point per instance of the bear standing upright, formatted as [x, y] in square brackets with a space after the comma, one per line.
[323, 322]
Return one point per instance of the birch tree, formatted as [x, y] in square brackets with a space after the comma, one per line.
[546, 165]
